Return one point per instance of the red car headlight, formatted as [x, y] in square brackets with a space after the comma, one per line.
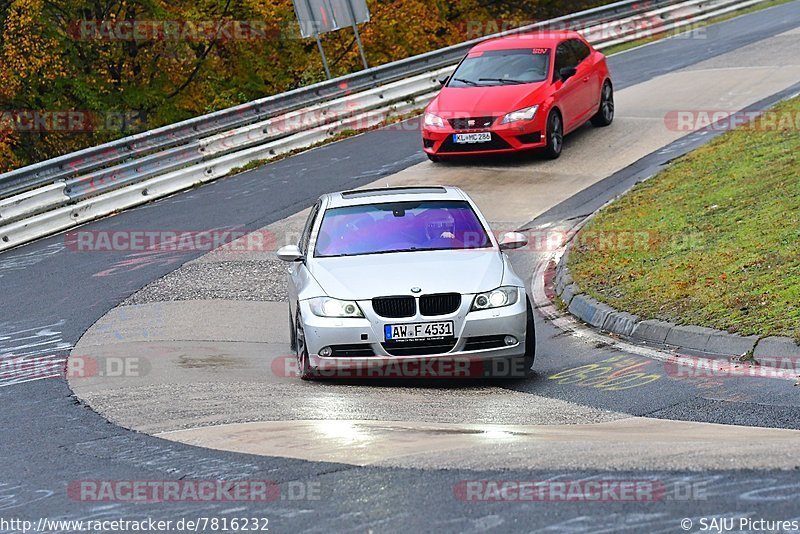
[526, 114]
[433, 120]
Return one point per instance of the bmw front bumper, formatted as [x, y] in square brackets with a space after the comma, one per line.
[357, 345]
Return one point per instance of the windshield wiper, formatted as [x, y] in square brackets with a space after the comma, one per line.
[468, 82]
[502, 80]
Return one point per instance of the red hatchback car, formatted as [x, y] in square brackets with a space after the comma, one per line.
[518, 93]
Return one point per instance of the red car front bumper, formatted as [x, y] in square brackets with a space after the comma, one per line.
[506, 138]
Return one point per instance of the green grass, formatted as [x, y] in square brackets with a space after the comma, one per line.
[722, 246]
[616, 49]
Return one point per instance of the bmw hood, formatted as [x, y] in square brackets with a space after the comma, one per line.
[485, 101]
[440, 271]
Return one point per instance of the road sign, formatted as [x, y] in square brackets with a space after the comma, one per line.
[320, 16]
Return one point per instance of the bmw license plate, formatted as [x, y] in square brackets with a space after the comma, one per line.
[464, 139]
[413, 331]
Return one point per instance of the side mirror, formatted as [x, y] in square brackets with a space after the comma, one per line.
[289, 253]
[567, 72]
[443, 80]
[512, 240]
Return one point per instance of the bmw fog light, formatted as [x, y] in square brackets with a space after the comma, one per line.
[325, 352]
[510, 340]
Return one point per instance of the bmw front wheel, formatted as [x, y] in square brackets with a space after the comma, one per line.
[301, 350]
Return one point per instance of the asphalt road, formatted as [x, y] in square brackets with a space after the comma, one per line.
[51, 296]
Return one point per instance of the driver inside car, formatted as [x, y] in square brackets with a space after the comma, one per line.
[439, 224]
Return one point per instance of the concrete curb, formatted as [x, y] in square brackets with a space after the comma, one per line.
[706, 341]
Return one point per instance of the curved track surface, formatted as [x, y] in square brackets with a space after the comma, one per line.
[474, 430]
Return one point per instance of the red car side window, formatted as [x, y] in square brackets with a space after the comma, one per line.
[565, 57]
[580, 50]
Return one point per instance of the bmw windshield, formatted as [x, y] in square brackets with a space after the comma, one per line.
[502, 67]
[400, 227]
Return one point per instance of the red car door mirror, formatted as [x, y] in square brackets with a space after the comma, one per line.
[567, 72]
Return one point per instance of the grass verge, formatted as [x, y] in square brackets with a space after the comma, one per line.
[718, 236]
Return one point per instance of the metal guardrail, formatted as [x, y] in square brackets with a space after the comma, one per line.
[183, 137]
[124, 174]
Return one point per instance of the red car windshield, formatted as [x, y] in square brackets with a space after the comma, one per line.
[503, 67]
[400, 227]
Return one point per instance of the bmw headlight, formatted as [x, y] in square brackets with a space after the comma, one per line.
[502, 296]
[329, 307]
[526, 114]
[434, 120]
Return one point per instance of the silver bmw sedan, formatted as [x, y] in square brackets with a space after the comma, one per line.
[406, 282]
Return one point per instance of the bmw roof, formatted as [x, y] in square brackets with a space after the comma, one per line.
[394, 194]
